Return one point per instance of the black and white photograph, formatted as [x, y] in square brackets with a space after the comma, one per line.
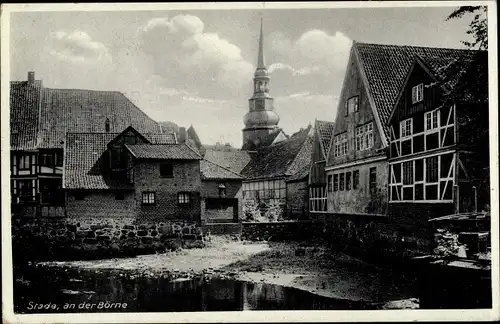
[184, 162]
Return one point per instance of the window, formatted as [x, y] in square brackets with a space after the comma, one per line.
[373, 179]
[166, 170]
[408, 173]
[59, 158]
[355, 179]
[183, 198]
[330, 183]
[148, 198]
[119, 196]
[406, 127]
[106, 125]
[25, 190]
[335, 182]
[79, 195]
[348, 181]
[352, 105]
[317, 199]
[431, 169]
[24, 162]
[431, 120]
[341, 181]
[341, 144]
[47, 159]
[364, 137]
[417, 93]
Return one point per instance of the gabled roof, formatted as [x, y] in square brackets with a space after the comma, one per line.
[24, 108]
[232, 160]
[212, 171]
[79, 111]
[83, 161]
[163, 152]
[324, 130]
[281, 159]
[384, 69]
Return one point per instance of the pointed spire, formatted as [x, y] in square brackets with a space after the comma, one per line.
[260, 63]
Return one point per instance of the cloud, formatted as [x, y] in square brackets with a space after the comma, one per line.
[314, 52]
[187, 57]
[77, 46]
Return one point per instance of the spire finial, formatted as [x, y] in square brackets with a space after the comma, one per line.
[260, 63]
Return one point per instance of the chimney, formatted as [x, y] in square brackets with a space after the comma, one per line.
[31, 78]
[182, 135]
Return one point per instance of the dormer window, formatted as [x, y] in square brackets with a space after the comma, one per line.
[351, 105]
[417, 93]
[106, 125]
[222, 190]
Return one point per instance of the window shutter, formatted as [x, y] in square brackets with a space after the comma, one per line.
[413, 94]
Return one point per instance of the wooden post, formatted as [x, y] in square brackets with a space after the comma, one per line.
[456, 195]
[475, 198]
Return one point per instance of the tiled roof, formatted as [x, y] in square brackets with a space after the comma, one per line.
[266, 141]
[325, 132]
[280, 159]
[85, 111]
[212, 171]
[233, 160]
[163, 152]
[301, 174]
[83, 162]
[386, 67]
[24, 107]
[160, 138]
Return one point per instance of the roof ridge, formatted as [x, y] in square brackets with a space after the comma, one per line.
[89, 90]
[420, 46]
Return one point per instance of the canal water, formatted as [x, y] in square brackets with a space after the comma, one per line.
[43, 290]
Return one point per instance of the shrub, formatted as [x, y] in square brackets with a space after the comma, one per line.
[251, 210]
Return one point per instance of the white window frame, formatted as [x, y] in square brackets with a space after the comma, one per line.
[417, 93]
[183, 198]
[318, 197]
[148, 198]
[341, 146]
[433, 115]
[403, 127]
[364, 137]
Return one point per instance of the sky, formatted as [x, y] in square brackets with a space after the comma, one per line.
[195, 67]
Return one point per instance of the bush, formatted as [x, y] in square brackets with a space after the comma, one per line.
[251, 211]
[274, 212]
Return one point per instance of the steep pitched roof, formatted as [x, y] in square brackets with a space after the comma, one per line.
[24, 108]
[233, 160]
[163, 152]
[325, 133]
[280, 159]
[212, 171]
[384, 69]
[78, 111]
[84, 155]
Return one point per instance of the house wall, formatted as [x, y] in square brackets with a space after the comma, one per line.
[221, 209]
[353, 86]
[100, 204]
[361, 200]
[186, 178]
[317, 172]
[297, 198]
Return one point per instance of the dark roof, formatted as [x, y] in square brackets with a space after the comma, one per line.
[265, 141]
[281, 159]
[301, 174]
[325, 132]
[233, 160]
[386, 67]
[24, 107]
[85, 111]
[212, 171]
[83, 162]
[163, 152]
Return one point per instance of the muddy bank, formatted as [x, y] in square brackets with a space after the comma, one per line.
[298, 265]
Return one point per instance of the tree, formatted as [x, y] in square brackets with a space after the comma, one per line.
[478, 27]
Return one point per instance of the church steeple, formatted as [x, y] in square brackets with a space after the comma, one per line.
[261, 64]
[261, 118]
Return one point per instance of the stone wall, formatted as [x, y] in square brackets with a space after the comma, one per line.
[70, 239]
[372, 238]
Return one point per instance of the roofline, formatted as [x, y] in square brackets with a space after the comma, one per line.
[325, 152]
[418, 60]
[129, 150]
[370, 97]
[420, 46]
[236, 173]
[130, 127]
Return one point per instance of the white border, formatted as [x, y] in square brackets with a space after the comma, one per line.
[255, 316]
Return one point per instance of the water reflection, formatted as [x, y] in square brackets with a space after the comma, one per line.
[92, 292]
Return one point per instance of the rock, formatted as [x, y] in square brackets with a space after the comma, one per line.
[131, 234]
[154, 233]
[71, 227]
[142, 233]
[129, 227]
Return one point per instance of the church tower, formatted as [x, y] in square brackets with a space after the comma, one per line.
[261, 120]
